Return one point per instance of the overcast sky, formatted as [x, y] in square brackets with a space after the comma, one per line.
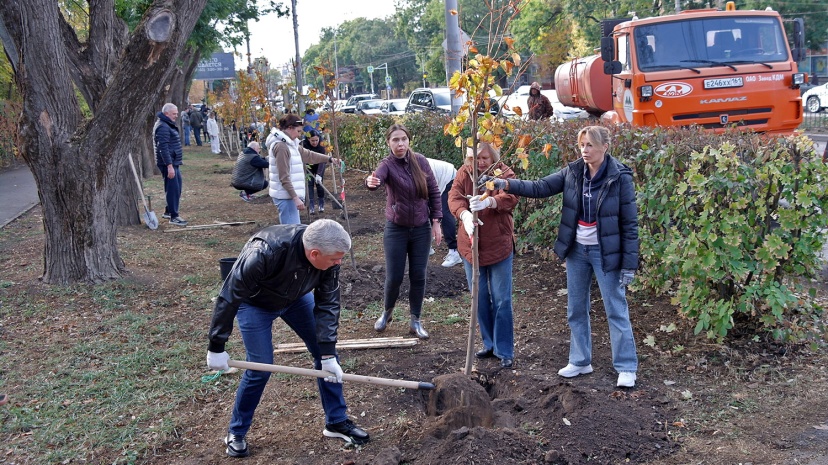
[272, 37]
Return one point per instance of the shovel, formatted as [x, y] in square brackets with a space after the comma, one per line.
[149, 216]
[324, 374]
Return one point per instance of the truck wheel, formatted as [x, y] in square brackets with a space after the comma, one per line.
[813, 104]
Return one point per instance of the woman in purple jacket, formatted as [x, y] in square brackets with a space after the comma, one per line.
[413, 212]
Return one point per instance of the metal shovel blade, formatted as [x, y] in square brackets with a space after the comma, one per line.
[151, 220]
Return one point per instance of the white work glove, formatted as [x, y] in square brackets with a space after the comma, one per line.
[475, 204]
[332, 366]
[318, 179]
[468, 222]
[218, 361]
[626, 277]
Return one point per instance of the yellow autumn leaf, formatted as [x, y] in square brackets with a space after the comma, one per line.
[524, 163]
[518, 111]
[458, 142]
[453, 12]
[490, 185]
[497, 90]
[498, 172]
[516, 58]
[509, 41]
[473, 49]
[546, 149]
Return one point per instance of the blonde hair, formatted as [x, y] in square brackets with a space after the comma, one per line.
[595, 135]
[483, 147]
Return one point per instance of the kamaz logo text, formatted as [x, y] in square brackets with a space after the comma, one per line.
[723, 100]
[673, 89]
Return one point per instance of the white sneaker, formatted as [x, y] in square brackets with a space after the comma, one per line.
[431, 251]
[626, 379]
[571, 370]
[452, 258]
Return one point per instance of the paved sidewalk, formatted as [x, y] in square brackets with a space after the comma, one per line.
[18, 193]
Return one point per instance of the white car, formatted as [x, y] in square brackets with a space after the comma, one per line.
[816, 98]
[394, 107]
[368, 107]
[519, 97]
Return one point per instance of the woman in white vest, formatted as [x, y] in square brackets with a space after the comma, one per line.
[287, 168]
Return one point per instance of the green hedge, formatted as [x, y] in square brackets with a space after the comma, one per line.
[731, 225]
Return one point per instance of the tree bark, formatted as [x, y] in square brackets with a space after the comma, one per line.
[80, 164]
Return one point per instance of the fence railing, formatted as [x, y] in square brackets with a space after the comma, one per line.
[811, 121]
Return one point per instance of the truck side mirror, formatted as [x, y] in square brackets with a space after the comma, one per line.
[607, 49]
[612, 67]
[798, 39]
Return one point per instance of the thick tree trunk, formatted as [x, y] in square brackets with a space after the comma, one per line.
[80, 165]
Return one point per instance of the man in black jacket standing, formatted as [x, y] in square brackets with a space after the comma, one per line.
[289, 271]
[168, 157]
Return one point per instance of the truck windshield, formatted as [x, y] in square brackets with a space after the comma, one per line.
[710, 42]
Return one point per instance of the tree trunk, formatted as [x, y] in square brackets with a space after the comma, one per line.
[79, 165]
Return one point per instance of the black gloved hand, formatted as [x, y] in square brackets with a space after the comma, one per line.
[499, 184]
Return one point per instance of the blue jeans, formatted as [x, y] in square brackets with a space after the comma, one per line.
[401, 243]
[256, 328]
[449, 224]
[172, 190]
[186, 135]
[494, 306]
[197, 134]
[582, 263]
[288, 213]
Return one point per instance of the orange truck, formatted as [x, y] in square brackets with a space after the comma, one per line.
[709, 67]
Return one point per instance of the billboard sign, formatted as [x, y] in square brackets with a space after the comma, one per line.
[218, 66]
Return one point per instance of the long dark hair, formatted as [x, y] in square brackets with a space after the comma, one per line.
[417, 173]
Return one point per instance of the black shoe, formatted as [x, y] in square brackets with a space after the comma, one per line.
[506, 362]
[484, 353]
[236, 445]
[347, 431]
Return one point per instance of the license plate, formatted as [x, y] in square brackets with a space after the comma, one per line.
[723, 83]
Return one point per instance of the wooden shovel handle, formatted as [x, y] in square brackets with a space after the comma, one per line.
[324, 374]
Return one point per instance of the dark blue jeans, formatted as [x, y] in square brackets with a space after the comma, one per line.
[256, 328]
[197, 135]
[449, 224]
[401, 243]
[172, 189]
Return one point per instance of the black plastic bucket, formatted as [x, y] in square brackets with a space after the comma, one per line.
[225, 265]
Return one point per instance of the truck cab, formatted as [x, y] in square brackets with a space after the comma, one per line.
[710, 68]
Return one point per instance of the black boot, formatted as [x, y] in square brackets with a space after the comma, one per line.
[417, 328]
[383, 320]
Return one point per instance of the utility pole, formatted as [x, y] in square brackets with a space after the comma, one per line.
[336, 69]
[453, 50]
[298, 64]
[422, 64]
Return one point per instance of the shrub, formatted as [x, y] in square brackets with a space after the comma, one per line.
[731, 223]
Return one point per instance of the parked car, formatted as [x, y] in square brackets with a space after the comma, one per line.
[437, 99]
[394, 107]
[369, 107]
[816, 98]
[350, 105]
[519, 97]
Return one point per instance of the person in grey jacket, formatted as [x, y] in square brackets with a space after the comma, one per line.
[598, 236]
[287, 271]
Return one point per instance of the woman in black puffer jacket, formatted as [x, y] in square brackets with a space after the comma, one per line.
[598, 236]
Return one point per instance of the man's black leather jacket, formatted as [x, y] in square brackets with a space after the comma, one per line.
[271, 273]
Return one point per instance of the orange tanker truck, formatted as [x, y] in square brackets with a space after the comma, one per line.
[710, 67]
